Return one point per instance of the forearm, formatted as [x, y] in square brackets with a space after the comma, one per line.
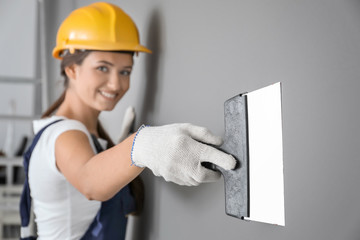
[109, 171]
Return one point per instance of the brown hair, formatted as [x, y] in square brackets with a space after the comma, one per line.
[69, 59]
[136, 186]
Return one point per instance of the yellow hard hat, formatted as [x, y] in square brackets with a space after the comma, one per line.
[99, 26]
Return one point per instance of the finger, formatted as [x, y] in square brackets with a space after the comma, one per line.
[206, 175]
[204, 135]
[190, 182]
[182, 181]
[185, 179]
[219, 158]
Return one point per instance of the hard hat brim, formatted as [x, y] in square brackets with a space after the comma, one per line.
[137, 48]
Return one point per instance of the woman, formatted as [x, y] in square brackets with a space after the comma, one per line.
[78, 179]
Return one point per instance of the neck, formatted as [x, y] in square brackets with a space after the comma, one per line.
[73, 108]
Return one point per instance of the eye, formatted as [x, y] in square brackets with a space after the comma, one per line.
[103, 69]
[125, 73]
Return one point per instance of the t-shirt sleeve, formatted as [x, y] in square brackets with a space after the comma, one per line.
[51, 134]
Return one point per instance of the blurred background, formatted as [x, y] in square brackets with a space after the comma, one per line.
[205, 52]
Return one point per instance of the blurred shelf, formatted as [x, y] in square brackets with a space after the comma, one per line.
[20, 80]
[11, 168]
[18, 117]
[16, 188]
[13, 161]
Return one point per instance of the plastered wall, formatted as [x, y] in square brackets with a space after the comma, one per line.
[208, 51]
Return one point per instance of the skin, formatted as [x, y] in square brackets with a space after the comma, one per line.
[94, 86]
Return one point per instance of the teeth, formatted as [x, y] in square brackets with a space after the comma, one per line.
[108, 95]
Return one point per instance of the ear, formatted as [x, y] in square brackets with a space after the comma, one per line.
[71, 71]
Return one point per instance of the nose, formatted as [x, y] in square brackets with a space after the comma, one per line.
[118, 83]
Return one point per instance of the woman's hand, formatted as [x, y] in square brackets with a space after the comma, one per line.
[176, 152]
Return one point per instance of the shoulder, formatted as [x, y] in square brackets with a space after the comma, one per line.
[59, 126]
[65, 127]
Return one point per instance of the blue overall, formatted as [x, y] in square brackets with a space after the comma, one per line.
[110, 221]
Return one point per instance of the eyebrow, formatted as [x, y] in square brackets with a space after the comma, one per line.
[111, 64]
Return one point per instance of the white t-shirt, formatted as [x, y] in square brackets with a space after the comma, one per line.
[61, 211]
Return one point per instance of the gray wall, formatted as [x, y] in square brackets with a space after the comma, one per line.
[208, 51]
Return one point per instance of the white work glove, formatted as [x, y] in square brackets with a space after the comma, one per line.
[127, 123]
[175, 152]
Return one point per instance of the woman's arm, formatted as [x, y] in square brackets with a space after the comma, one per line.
[97, 176]
[175, 152]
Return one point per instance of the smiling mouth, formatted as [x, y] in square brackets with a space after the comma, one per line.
[108, 95]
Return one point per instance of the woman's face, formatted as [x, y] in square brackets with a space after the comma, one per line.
[102, 79]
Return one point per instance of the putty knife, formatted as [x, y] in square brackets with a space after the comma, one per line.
[254, 190]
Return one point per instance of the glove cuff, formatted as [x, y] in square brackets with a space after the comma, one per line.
[132, 147]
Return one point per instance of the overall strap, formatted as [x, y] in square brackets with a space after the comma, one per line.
[98, 146]
[110, 221]
[25, 200]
